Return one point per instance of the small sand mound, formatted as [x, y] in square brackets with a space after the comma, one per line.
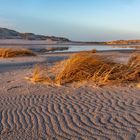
[14, 52]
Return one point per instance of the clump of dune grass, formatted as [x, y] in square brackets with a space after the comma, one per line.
[134, 65]
[40, 74]
[79, 67]
[43, 73]
[86, 66]
[134, 61]
[14, 52]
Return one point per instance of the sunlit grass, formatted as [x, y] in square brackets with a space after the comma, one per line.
[40, 74]
[87, 66]
[14, 52]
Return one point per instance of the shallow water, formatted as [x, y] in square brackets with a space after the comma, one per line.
[74, 48]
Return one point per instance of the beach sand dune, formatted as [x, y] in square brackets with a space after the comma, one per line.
[43, 112]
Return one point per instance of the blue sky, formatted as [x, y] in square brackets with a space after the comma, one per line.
[86, 20]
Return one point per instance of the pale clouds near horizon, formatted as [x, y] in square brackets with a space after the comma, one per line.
[5, 23]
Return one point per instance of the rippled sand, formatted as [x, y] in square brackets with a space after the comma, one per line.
[41, 112]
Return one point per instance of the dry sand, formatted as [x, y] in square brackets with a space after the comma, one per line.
[42, 112]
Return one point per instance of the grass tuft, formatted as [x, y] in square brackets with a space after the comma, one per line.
[134, 61]
[79, 67]
[40, 75]
[14, 52]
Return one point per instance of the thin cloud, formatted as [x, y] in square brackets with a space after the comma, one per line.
[5, 23]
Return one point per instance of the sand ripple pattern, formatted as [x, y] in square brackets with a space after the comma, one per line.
[85, 114]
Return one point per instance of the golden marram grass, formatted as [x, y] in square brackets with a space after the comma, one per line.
[87, 66]
[79, 67]
[14, 52]
[40, 75]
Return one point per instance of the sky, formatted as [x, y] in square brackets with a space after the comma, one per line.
[83, 20]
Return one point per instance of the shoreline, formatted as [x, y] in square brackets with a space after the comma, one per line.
[44, 42]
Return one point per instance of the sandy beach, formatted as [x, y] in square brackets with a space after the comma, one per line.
[69, 70]
[72, 112]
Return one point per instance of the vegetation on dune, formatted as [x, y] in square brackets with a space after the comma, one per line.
[79, 67]
[91, 67]
[134, 68]
[134, 61]
[14, 52]
[39, 74]
[122, 42]
[87, 66]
